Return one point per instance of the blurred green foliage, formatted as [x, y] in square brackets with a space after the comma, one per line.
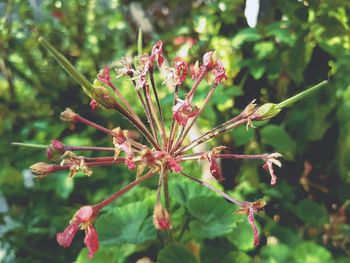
[295, 45]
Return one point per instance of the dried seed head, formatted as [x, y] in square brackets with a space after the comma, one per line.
[68, 115]
[41, 169]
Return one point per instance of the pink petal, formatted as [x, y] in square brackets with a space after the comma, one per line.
[215, 169]
[268, 167]
[157, 51]
[91, 240]
[65, 238]
[252, 224]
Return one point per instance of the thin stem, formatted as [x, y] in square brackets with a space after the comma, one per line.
[98, 127]
[31, 145]
[209, 135]
[125, 189]
[151, 113]
[174, 124]
[217, 191]
[125, 101]
[88, 148]
[210, 94]
[162, 129]
[288, 102]
[197, 156]
[196, 84]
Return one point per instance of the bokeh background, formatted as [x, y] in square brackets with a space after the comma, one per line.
[276, 51]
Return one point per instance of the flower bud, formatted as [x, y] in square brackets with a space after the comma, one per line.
[103, 94]
[161, 218]
[55, 150]
[68, 115]
[267, 111]
[41, 169]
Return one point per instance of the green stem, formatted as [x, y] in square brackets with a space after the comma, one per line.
[32, 145]
[68, 67]
[288, 102]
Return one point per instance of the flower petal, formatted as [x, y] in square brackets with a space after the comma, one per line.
[91, 240]
[65, 238]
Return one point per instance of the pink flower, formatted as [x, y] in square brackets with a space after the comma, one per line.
[219, 72]
[183, 110]
[82, 219]
[173, 165]
[157, 53]
[121, 143]
[181, 68]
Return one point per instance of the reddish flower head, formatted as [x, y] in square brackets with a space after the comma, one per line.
[157, 54]
[93, 105]
[183, 110]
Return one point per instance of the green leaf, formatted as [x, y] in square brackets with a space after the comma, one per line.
[263, 49]
[311, 212]
[245, 35]
[106, 254]
[276, 253]
[130, 224]
[182, 191]
[214, 216]
[277, 137]
[309, 252]
[242, 234]
[175, 253]
[242, 136]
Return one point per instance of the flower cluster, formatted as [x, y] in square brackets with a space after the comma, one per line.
[166, 148]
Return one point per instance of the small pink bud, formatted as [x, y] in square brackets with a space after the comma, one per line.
[157, 53]
[55, 150]
[93, 105]
[161, 218]
[173, 165]
[91, 240]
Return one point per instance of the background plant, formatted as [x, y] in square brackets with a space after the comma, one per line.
[278, 58]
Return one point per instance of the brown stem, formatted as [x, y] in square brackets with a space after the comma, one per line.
[113, 197]
[224, 195]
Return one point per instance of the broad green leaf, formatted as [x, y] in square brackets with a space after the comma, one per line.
[175, 253]
[311, 212]
[181, 191]
[242, 136]
[309, 252]
[131, 223]
[213, 216]
[277, 137]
